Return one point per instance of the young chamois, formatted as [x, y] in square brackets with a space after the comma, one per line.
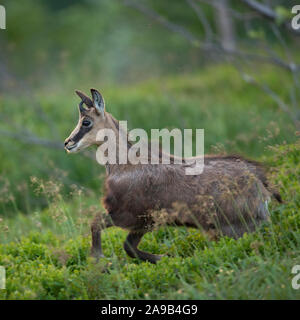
[230, 197]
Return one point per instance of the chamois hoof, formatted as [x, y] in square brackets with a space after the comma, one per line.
[166, 255]
[97, 255]
[160, 256]
[157, 257]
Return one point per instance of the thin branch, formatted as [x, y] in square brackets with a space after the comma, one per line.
[202, 19]
[269, 13]
[214, 48]
[261, 9]
[280, 103]
[209, 47]
[162, 20]
[234, 13]
[31, 139]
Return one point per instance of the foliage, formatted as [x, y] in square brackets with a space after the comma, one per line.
[236, 118]
[154, 78]
[55, 264]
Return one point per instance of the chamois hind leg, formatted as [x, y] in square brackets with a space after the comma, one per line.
[100, 222]
[130, 245]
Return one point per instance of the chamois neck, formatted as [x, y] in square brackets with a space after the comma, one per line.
[120, 133]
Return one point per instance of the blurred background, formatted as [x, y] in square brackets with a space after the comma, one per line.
[230, 67]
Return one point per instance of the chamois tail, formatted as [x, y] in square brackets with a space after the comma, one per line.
[261, 174]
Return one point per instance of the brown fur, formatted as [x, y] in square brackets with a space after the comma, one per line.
[228, 198]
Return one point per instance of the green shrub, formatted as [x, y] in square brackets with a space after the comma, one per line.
[51, 265]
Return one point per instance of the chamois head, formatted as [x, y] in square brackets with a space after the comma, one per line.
[92, 118]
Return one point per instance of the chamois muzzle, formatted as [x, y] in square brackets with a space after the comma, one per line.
[69, 145]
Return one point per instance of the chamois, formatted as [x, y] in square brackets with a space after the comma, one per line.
[230, 197]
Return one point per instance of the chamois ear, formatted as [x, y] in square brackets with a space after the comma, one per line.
[98, 101]
[86, 100]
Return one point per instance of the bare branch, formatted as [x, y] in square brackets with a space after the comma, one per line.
[234, 13]
[31, 139]
[269, 13]
[261, 9]
[162, 20]
[209, 47]
[202, 19]
[280, 103]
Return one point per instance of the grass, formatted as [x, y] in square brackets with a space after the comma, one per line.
[46, 254]
[47, 198]
[236, 117]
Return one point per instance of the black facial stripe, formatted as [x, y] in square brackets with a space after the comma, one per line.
[82, 131]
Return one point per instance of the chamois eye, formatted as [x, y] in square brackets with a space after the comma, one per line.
[86, 123]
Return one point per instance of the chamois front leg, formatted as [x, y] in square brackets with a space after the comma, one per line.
[100, 222]
[130, 246]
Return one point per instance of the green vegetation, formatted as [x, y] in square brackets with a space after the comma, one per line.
[54, 263]
[46, 252]
[153, 77]
[236, 117]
